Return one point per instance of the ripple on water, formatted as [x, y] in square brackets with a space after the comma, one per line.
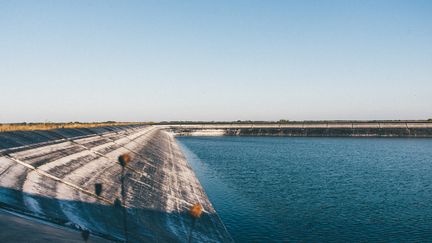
[269, 189]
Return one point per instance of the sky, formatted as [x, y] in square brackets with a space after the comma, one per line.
[218, 60]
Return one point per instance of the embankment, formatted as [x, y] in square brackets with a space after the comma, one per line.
[304, 129]
[51, 175]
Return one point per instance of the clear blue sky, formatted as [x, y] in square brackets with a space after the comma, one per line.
[215, 60]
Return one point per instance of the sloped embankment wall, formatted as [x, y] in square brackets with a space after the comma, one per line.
[309, 130]
[52, 175]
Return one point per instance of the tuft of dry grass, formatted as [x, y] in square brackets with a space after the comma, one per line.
[124, 159]
[48, 126]
[196, 210]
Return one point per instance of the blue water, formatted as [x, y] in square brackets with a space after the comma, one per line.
[279, 189]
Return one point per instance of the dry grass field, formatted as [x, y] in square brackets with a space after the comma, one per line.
[7, 127]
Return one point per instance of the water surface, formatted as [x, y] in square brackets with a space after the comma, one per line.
[275, 189]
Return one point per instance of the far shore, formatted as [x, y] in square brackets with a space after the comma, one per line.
[30, 126]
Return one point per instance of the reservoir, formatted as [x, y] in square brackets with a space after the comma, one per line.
[305, 189]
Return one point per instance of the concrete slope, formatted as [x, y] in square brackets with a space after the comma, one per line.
[16, 228]
[55, 180]
[308, 129]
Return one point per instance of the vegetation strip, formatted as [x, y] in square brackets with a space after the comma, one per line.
[49, 126]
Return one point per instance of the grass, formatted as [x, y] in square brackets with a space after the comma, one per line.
[7, 127]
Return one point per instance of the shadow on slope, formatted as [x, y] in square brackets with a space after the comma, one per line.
[107, 221]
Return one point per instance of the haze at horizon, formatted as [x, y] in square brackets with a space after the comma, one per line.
[222, 60]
